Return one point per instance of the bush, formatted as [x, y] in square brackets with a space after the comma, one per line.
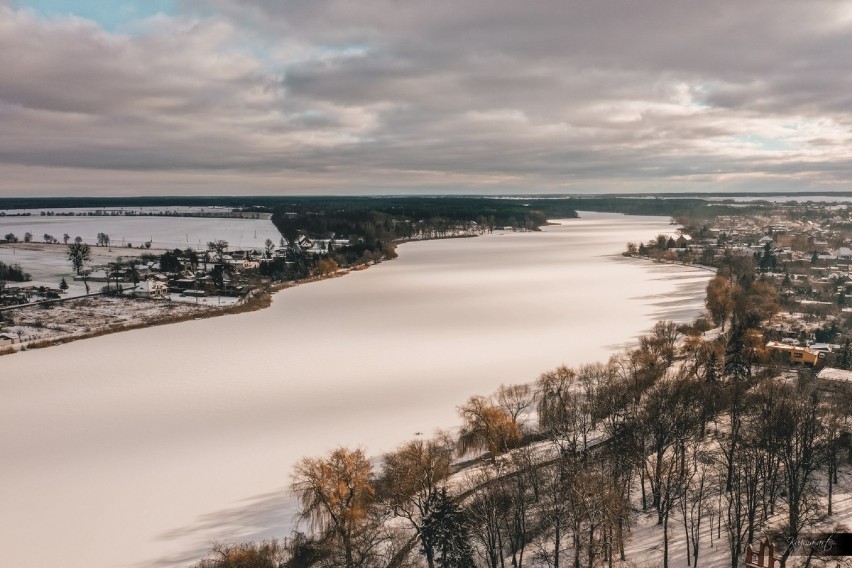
[702, 324]
[13, 273]
[265, 554]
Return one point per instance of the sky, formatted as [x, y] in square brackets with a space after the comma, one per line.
[253, 97]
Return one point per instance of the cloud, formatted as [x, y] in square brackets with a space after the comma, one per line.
[484, 95]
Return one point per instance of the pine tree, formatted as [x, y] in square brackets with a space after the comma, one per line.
[712, 374]
[63, 284]
[445, 529]
[736, 367]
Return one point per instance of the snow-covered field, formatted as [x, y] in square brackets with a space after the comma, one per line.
[93, 315]
[143, 210]
[48, 264]
[161, 232]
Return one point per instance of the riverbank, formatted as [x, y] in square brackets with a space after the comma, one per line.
[49, 325]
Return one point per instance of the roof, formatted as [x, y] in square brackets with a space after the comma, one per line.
[832, 374]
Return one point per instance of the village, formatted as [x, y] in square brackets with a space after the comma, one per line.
[112, 288]
[804, 251]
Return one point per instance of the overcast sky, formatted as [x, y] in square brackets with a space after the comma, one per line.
[441, 96]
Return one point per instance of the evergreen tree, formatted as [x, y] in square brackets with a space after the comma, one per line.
[844, 356]
[712, 374]
[445, 528]
[63, 284]
[736, 367]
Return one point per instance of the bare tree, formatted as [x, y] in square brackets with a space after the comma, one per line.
[410, 481]
[669, 417]
[564, 411]
[486, 427]
[801, 431]
[693, 504]
[335, 494]
[517, 400]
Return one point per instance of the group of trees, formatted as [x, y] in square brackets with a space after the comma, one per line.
[663, 248]
[747, 301]
[371, 225]
[715, 448]
[13, 273]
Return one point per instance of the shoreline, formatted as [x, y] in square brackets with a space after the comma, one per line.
[257, 299]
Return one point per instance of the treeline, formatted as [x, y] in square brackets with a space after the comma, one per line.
[692, 208]
[370, 225]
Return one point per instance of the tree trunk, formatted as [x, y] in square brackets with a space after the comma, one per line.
[577, 547]
[686, 533]
[831, 473]
[557, 542]
[591, 545]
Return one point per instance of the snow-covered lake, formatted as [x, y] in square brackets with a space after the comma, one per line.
[140, 449]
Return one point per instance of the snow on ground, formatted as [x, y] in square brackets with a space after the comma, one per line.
[644, 546]
[92, 315]
[48, 264]
[162, 232]
[142, 210]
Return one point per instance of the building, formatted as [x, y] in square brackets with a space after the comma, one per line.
[797, 355]
[835, 380]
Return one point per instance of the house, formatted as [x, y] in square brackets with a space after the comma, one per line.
[843, 253]
[151, 288]
[835, 380]
[797, 355]
[683, 240]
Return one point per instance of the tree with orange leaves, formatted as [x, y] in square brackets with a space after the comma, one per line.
[335, 494]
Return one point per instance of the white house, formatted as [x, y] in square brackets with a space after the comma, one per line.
[152, 288]
[843, 253]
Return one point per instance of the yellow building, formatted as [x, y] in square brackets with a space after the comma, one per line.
[797, 355]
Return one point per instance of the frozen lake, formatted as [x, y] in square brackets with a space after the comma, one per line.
[141, 448]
